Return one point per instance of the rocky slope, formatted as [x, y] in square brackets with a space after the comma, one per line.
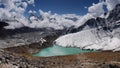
[109, 22]
[25, 36]
[88, 60]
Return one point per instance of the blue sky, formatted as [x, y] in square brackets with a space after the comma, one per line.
[62, 6]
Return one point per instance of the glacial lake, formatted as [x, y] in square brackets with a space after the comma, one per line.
[56, 50]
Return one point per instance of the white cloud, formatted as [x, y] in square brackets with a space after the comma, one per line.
[31, 11]
[24, 4]
[14, 9]
[4, 14]
[31, 2]
[111, 4]
[14, 25]
[55, 21]
[96, 9]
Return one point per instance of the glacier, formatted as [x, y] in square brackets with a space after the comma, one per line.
[89, 39]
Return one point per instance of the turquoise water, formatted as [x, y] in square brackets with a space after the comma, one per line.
[60, 51]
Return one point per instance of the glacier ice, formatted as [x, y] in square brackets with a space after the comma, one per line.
[89, 39]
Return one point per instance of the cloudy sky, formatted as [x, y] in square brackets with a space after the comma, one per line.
[63, 6]
[57, 14]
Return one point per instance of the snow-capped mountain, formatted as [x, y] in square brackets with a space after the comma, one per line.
[103, 28]
[26, 35]
[100, 33]
[109, 22]
[16, 31]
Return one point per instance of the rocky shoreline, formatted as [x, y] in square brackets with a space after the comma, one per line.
[10, 59]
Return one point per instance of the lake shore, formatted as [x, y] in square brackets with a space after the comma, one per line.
[22, 57]
[16, 57]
